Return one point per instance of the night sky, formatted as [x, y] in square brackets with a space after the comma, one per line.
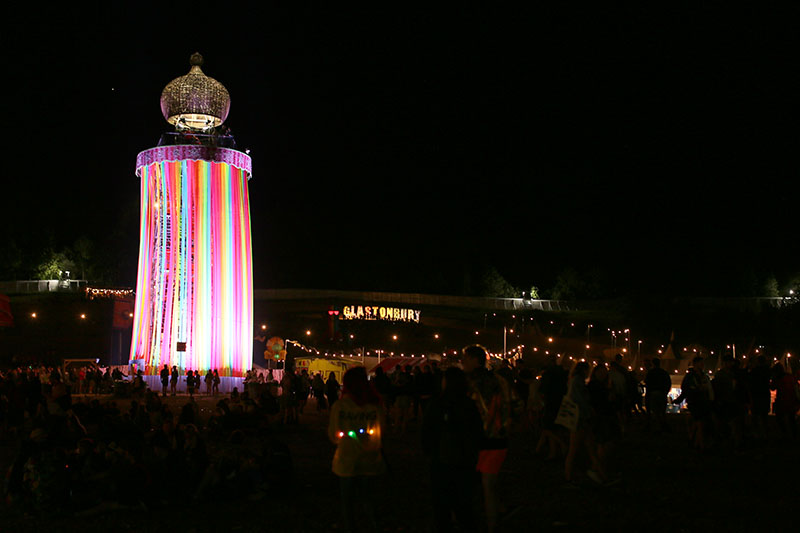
[393, 150]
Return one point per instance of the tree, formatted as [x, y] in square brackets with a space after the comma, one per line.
[568, 286]
[54, 266]
[771, 286]
[11, 265]
[82, 254]
[495, 285]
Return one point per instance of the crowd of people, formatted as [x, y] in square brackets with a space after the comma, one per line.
[80, 452]
[86, 454]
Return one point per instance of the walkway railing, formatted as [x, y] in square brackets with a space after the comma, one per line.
[501, 304]
[41, 285]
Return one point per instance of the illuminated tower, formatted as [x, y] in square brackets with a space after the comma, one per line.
[194, 292]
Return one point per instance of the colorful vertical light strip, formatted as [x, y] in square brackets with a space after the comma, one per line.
[194, 293]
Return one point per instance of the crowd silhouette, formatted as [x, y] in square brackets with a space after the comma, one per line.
[80, 449]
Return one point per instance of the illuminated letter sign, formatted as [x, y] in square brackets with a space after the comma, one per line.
[367, 312]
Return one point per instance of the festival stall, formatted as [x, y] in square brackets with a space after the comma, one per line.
[325, 366]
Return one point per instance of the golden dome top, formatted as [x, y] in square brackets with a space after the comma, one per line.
[195, 101]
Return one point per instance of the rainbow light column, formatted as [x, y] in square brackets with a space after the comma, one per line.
[195, 278]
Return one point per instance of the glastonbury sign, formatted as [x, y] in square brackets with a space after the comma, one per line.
[367, 312]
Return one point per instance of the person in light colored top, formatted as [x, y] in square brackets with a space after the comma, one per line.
[355, 427]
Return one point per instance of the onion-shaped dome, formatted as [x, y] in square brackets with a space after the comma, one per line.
[195, 101]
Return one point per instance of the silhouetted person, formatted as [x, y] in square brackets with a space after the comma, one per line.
[760, 398]
[605, 425]
[318, 389]
[451, 437]
[332, 389]
[657, 384]
[786, 401]
[725, 406]
[582, 437]
[383, 385]
[552, 388]
[492, 397]
[164, 380]
[209, 379]
[697, 391]
[173, 381]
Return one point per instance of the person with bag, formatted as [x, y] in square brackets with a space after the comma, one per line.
[355, 427]
[492, 397]
[580, 436]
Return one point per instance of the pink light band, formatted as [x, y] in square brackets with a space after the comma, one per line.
[194, 286]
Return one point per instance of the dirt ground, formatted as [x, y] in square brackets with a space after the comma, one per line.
[665, 487]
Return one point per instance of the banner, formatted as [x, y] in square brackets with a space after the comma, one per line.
[6, 318]
[123, 314]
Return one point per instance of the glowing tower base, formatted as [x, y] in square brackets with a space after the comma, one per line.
[194, 293]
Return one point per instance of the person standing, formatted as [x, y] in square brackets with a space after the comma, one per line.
[318, 389]
[384, 386]
[786, 401]
[164, 380]
[403, 387]
[605, 429]
[760, 398]
[209, 379]
[657, 386]
[426, 387]
[215, 389]
[332, 389]
[356, 426]
[725, 404]
[452, 431]
[492, 397]
[697, 391]
[618, 376]
[173, 381]
[582, 437]
[287, 399]
[552, 388]
[190, 383]
[302, 389]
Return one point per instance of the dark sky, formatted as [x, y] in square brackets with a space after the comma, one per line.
[392, 148]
